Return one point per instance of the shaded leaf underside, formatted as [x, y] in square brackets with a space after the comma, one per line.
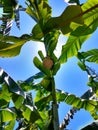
[82, 33]
[91, 55]
[76, 102]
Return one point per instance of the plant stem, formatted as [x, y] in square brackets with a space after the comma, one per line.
[54, 107]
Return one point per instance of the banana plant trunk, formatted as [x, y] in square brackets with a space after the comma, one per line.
[54, 107]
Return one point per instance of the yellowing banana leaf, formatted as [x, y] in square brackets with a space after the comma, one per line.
[10, 46]
[7, 115]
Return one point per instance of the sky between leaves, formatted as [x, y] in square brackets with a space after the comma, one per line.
[69, 78]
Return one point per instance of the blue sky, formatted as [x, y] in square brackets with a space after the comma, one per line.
[69, 78]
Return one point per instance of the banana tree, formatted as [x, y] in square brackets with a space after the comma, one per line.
[77, 22]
